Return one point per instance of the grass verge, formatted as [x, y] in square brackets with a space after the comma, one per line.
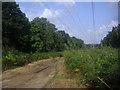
[95, 66]
[13, 58]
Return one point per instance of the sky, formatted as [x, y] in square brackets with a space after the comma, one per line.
[76, 18]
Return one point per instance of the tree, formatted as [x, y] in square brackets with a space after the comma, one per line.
[38, 35]
[112, 38]
[70, 42]
[15, 27]
[76, 43]
[42, 34]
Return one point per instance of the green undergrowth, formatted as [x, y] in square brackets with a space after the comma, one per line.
[96, 66]
[12, 58]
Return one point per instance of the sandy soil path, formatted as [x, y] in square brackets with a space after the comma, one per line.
[64, 78]
[34, 75]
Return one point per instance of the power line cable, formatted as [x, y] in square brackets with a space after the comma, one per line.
[74, 22]
[78, 15]
[59, 18]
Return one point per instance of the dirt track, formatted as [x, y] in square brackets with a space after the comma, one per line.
[34, 75]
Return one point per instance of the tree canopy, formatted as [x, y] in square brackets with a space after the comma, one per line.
[112, 38]
[38, 35]
[15, 27]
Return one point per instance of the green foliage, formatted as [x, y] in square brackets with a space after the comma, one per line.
[39, 35]
[22, 40]
[42, 34]
[94, 63]
[15, 27]
[70, 42]
[45, 37]
[12, 58]
[113, 38]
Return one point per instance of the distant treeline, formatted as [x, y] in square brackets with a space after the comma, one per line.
[92, 45]
[30, 36]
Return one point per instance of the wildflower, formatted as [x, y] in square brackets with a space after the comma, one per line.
[76, 70]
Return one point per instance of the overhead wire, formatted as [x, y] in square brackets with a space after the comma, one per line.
[74, 21]
[57, 18]
[80, 21]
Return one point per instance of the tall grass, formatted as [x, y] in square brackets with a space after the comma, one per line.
[95, 64]
[12, 58]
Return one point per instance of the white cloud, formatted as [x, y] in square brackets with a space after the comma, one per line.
[101, 29]
[113, 23]
[100, 33]
[104, 29]
[48, 13]
[70, 31]
[88, 35]
[61, 27]
[31, 15]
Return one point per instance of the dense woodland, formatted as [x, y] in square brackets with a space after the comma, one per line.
[37, 35]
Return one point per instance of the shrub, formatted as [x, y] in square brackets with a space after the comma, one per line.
[94, 64]
[12, 58]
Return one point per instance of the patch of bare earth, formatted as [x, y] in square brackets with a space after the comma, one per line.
[63, 78]
[47, 73]
[34, 75]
